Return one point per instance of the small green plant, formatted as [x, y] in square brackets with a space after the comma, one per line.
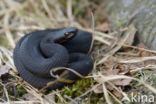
[78, 88]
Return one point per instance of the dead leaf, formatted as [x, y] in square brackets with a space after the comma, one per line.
[111, 72]
[50, 98]
[144, 54]
[4, 70]
[98, 89]
[117, 94]
[112, 68]
[29, 97]
[104, 27]
[142, 45]
[123, 69]
[122, 82]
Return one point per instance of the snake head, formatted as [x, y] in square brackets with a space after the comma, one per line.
[61, 35]
[68, 33]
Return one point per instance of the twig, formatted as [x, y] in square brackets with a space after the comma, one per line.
[138, 48]
[115, 77]
[144, 68]
[119, 45]
[7, 31]
[137, 60]
[46, 7]
[93, 31]
[106, 95]
[6, 92]
[69, 11]
[97, 38]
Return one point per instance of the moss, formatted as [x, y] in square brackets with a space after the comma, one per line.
[78, 88]
[21, 91]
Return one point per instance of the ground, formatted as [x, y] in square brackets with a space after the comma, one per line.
[120, 71]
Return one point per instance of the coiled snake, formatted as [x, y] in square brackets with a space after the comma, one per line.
[39, 52]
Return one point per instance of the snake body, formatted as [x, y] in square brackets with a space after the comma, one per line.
[39, 52]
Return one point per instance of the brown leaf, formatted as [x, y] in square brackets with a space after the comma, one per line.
[123, 69]
[29, 97]
[117, 94]
[122, 82]
[112, 68]
[111, 72]
[50, 98]
[98, 89]
[104, 27]
[144, 53]
[142, 45]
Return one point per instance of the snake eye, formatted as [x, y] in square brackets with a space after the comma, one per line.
[66, 33]
[69, 35]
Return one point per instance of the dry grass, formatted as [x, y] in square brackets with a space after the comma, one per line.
[18, 18]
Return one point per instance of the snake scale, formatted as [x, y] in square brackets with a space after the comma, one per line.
[39, 52]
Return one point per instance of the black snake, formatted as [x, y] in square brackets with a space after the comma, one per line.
[39, 52]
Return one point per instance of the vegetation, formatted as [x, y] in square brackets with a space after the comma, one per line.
[120, 69]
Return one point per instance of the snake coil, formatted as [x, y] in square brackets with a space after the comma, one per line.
[39, 52]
